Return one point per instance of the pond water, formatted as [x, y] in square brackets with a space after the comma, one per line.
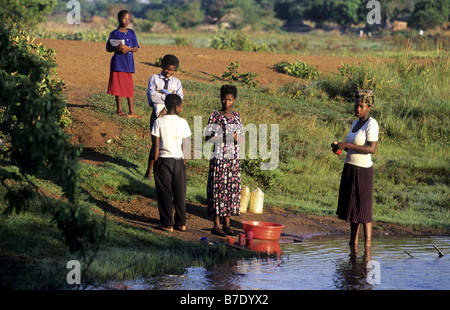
[326, 263]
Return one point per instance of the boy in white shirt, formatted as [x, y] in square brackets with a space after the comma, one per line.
[159, 86]
[171, 134]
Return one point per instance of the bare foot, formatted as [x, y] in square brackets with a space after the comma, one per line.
[148, 175]
[166, 228]
[180, 227]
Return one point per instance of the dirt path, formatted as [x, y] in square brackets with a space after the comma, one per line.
[84, 66]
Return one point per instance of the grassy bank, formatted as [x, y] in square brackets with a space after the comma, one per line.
[34, 256]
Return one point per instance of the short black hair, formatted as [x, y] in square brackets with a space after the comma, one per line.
[172, 101]
[228, 89]
[122, 14]
[170, 60]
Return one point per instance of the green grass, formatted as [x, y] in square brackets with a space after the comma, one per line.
[33, 256]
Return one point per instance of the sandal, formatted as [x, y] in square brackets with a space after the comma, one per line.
[218, 233]
[135, 116]
[122, 114]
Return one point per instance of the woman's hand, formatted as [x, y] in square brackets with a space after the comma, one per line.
[368, 148]
[334, 146]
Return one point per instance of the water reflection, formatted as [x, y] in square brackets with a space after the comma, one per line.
[223, 278]
[270, 246]
[351, 273]
[326, 263]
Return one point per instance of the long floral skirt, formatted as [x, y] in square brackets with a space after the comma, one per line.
[224, 187]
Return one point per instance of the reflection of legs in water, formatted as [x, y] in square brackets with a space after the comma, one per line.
[354, 230]
[368, 233]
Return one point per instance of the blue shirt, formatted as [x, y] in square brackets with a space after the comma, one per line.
[119, 61]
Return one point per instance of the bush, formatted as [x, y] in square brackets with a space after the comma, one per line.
[298, 69]
[245, 78]
[180, 41]
[429, 14]
[27, 12]
[31, 108]
[236, 41]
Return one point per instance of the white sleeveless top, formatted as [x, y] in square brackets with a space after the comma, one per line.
[367, 133]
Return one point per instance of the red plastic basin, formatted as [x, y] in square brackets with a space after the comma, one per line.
[263, 230]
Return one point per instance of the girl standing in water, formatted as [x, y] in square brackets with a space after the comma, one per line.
[355, 193]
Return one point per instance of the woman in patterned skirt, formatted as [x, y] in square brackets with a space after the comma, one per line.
[224, 179]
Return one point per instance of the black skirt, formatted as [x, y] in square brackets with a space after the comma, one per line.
[355, 194]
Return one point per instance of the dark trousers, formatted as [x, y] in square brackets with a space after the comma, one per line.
[152, 149]
[170, 181]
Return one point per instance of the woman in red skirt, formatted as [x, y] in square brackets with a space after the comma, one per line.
[355, 193]
[123, 42]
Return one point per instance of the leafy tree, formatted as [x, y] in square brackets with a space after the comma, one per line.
[429, 14]
[215, 8]
[343, 12]
[391, 9]
[28, 12]
[31, 107]
[290, 10]
[347, 12]
[319, 11]
[175, 13]
[189, 14]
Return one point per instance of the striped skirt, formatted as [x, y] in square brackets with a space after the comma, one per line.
[355, 194]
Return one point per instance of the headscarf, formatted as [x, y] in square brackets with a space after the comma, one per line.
[365, 96]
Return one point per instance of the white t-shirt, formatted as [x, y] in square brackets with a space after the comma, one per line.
[367, 133]
[171, 130]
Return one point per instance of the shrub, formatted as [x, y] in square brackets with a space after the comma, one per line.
[236, 41]
[298, 69]
[232, 75]
[180, 41]
[31, 108]
[429, 14]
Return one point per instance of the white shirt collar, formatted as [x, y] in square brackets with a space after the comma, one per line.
[163, 77]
